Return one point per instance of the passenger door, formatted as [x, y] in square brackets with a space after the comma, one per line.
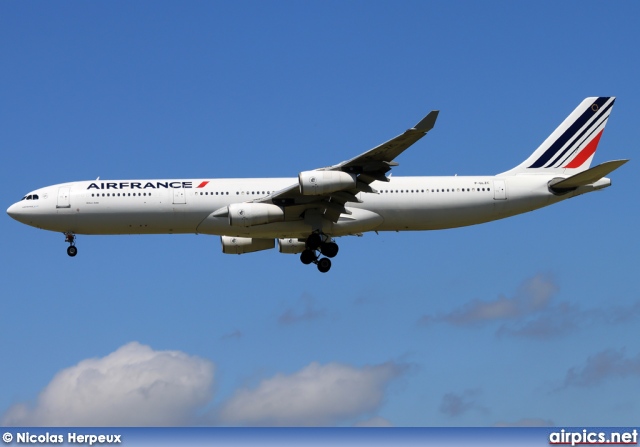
[64, 199]
[179, 196]
[499, 190]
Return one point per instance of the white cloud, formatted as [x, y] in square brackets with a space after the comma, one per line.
[137, 386]
[563, 318]
[375, 421]
[235, 335]
[309, 312]
[316, 395]
[454, 404]
[531, 297]
[532, 313]
[133, 386]
[601, 366]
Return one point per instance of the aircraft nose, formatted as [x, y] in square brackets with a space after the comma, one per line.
[14, 211]
[11, 211]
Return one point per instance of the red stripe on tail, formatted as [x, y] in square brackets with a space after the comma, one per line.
[585, 153]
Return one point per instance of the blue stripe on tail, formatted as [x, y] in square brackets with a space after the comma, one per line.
[570, 132]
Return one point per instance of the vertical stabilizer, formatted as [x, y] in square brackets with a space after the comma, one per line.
[570, 148]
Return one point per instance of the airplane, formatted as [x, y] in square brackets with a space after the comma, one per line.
[307, 214]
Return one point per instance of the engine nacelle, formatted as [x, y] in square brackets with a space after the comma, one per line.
[238, 245]
[291, 246]
[250, 214]
[322, 182]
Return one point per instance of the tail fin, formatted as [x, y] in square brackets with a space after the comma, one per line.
[570, 148]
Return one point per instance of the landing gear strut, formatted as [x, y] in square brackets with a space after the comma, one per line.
[322, 243]
[71, 239]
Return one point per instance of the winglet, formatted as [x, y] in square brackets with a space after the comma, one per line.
[427, 122]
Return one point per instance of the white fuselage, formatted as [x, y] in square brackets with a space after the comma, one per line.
[186, 206]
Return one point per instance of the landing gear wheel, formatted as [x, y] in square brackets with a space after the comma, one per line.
[329, 249]
[314, 241]
[71, 239]
[324, 264]
[308, 256]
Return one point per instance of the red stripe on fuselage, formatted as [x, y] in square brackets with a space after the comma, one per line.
[585, 153]
[202, 185]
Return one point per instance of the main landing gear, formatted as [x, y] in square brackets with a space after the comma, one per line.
[322, 243]
[71, 239]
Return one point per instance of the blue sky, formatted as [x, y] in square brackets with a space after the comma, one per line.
[391, 336]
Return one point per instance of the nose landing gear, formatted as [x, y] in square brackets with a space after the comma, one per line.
[71, 239]
[322, 243]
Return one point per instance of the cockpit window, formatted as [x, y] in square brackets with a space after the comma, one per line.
[30, 197]
[35, 197]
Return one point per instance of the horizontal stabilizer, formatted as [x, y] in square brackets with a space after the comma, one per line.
[587, 177]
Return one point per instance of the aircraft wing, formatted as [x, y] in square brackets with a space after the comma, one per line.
[373, 164]
[367, 168]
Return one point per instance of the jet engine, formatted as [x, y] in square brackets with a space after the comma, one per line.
[238, 245]
[249, 214]
[322, 182]
[291, 246]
